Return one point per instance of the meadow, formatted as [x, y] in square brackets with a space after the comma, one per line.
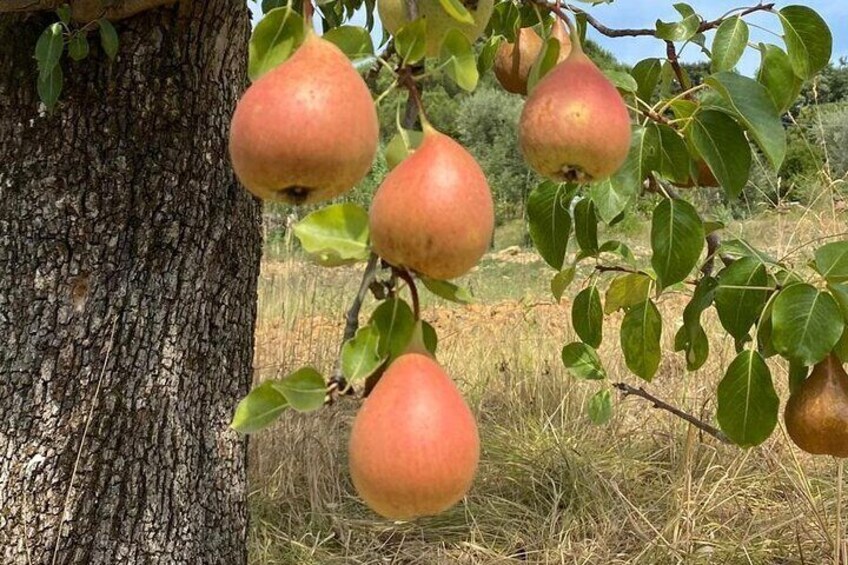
[552, 487]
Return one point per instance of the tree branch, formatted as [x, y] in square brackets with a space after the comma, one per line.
[627, 390]
[86, 10]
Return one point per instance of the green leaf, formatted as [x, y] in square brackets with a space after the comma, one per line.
[78, 47]
[545, 61]
[808, 40]
[108, 37]
[411, 41]
[354, 41]
[587, 316]
[677, 239]
[361, 355]
[626, 291]
[777, 75]
[457, 11]
[741, 295]
[49, 48]
[841, 348]
[666, 153]
[747, 403]
[622, 80]
[840, 292]
[431, 340]
[682, 30]
[614, 195]
[401, 146]
[561, 281]
[447, 290]
[395, 322]
[586, 226]
[486, 59]
[641, 330]
[273, 40]
[647, 75]
[722, 144]
[304, 389]
[807, 323]
[797, 375]
[335, 235]
[618, 248]
[832, 261]
[691, 337]
[549, 221]
[50, 86]
[582, 362]
[729, 44]
[259, 408]
[741, 248]
[64, 13]
[599, 408]
[458, 57]
[754, 107]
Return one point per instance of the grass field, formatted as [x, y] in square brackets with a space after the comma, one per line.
[552, 488]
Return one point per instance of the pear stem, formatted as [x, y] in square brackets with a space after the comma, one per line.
[408, 81]
[837, 541]
[413, 291]
[308, 11]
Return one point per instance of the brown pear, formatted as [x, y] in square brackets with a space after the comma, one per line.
[433, 213]
[816, 414]
[513, 61]
[706, 178]
[575, 126]
[307, 130]
[414, 446]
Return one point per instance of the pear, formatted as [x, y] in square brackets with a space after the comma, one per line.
[513, 61]
[305, 131]
[433, 213]
[816, 414]
[706, 178]
[394, 15]
[574, 126]
[414, 446]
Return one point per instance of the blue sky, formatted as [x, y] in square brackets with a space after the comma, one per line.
[643, 13]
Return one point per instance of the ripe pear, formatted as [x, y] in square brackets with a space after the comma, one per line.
[433, 213]
[414, 446]
[307, 130]
[816, 414]
[513, 61]
[574, 126]
[394, 15]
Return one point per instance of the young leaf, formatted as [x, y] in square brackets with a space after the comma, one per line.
[561, 281]
[583, 362]
[587, 316]
[807, 323]
[78, 47]
[411, 41]
[599, 408]
[457, 11]
[741, 295]
[447, 290]
[586, 226]
[273, 40]
[808, 40]
[108, 37]
[677, 239]
[395, 322]
[304, 389]
[754, 107]
[722, 144]
[832, 261]
[361, 355]
[730, 41]
[747, 403]
[64, 13]
[335, 235]
[550, 222]
[641, 331]
[460, 62]
[626, 291]
[259, 408]
[401, 146]
[545, 61]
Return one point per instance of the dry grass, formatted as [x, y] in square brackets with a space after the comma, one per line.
[552, 488]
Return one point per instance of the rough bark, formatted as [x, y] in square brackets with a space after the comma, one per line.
[128, 265]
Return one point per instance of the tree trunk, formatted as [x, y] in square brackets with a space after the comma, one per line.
[128, 264]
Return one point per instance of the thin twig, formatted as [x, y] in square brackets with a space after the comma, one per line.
[628, 390]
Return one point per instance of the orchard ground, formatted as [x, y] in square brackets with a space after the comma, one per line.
[552, 487]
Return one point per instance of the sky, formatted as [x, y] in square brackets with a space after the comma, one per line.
[644, 13]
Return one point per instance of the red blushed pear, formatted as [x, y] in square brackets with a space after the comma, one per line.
[575, 126]
[307, 130]
[433, 213]
[414, 447]
[513, 61]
